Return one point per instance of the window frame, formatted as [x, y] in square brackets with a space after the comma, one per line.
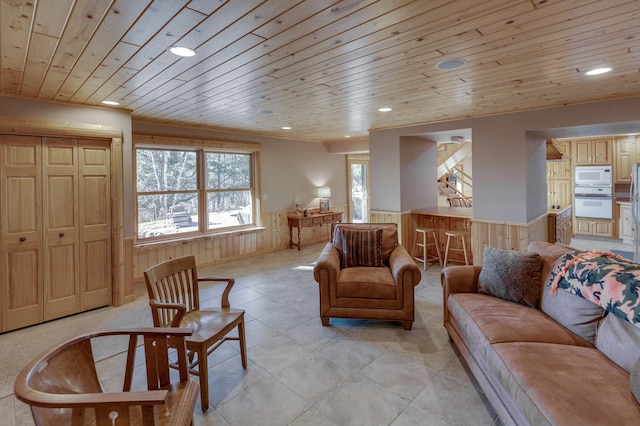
[201, 147]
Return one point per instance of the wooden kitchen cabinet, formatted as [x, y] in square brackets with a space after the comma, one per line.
[559, 193]
[561, 169]
[595, 227]
[625, 154]
[593, 152]
[559, 226]
[626, 224]
[55, 245]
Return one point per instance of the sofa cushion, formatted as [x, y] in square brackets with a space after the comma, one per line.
[619, 340]
[565, 385]
[361, 247]
[483, 320]
[634, 379]
[575, 313]
[512, 275]
[389, 236]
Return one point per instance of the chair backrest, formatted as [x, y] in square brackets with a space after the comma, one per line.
[389, 235]
[62, 385]
[173, 281]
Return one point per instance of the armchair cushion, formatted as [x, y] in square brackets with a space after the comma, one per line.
[361, 247]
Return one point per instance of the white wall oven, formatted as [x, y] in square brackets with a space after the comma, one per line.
[592, 192]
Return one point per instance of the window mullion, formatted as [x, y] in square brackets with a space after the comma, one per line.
[202, 193]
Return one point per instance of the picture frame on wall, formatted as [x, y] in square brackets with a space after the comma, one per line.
[324, 206]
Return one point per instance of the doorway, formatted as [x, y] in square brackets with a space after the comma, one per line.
[358, 181]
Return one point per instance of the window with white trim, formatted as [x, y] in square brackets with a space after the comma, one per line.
[183, 191]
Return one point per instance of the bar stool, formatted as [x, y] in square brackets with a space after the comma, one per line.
[448, 248]
[421, 241]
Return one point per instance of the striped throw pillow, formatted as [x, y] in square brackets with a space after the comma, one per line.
[361, 247]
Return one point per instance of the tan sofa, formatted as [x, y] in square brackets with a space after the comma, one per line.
[566, 362]
[384, 292]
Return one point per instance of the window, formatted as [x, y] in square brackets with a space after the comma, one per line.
[193, 190]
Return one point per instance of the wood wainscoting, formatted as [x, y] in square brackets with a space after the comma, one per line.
[404, 221]
[507, 235]
[272, 236]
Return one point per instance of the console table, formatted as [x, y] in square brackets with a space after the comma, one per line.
[317, 219]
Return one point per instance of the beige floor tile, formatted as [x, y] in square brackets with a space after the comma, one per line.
[270, 403]
[313, 376]
[277, 353]
[257, 332]
[400, 375]
[285, 319]
[312, 334]
[454, 403]
[228, 380]
[350, 354]
[313, 417]
[412, 416]
[361, 402]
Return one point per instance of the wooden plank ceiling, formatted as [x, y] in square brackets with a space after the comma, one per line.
[323, 67]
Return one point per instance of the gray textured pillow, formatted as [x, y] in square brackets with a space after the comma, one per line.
[512, 275]
[634, 380]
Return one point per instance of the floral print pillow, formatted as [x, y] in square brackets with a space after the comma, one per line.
[602, 277]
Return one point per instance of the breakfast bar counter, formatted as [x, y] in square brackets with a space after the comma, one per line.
[443, 219]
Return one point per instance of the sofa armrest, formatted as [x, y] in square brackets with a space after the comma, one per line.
[327, 266]
[401, 264]
[458, 279]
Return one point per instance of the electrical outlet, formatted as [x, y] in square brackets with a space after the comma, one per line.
[265, 197]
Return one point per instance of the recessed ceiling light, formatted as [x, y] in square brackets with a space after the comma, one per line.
[384, 109]
[286, 127]
[347, 136]
[598, 71]
[112, 103]
[451, 64]
[185, 52]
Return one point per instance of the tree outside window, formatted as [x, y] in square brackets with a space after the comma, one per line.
[171, 201]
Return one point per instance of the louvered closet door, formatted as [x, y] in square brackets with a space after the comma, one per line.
[61, 224]
[20, 214]
[95, 224]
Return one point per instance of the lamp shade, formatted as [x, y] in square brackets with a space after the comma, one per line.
[323, 192]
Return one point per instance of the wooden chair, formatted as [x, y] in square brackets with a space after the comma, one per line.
[63, 388]
[175, 302]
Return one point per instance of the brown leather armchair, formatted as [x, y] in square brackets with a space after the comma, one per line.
[351, 288]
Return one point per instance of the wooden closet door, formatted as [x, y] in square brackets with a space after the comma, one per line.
[21, 217]
[95, 224]
[61, 236]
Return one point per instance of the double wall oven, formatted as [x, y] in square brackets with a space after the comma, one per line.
[592, 195]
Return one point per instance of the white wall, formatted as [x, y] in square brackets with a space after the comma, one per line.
[418, 172]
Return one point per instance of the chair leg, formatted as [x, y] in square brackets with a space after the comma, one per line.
[203, 376]
[243, 343]
[446, 252]
[464, 249]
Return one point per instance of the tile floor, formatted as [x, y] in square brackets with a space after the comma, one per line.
[299, 373]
